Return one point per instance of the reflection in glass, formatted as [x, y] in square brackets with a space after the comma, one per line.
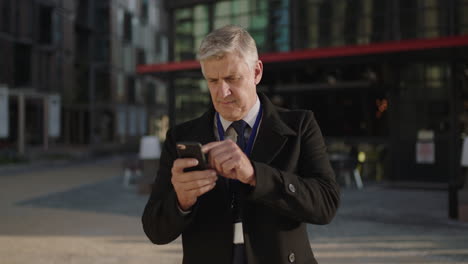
[192, 98]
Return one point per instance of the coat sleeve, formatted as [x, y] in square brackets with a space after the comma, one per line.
[310, 193]
[162, 221]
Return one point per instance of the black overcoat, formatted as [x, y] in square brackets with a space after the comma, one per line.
[295, 185]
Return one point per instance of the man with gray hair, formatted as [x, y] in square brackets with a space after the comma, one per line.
[268, 171]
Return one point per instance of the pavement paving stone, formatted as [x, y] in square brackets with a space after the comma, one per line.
[84, 214]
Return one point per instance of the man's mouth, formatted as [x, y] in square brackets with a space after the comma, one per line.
[226, 102]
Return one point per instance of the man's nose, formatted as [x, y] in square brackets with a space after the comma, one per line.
[225, 89]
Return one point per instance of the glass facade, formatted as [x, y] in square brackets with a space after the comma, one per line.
[422, 19]
[284, 25]
[267, 21]
[378, 100]
[86, 51]
[341, 22]
[319, 23]
[252, 15]
[192, 98]
[191, 25]
[462, 17]
[354, 22]
[422, 103]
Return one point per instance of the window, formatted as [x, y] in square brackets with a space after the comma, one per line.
[6, 58]
[45, 25]
[141, 56]
[150, 97]
[191, 26]
[380, 29]
[5, 16]
[462, 17]
[252, 15]
[102, 21]
[82, 11]
[423, 100]
[279, 12]
[127, 27]
[81, 46]
[102, 88]
[24, 11]
[44, 65]
[421, 19]
[144, 10]
[22, 64]
[131, 91]
[341, 22]
[365, 22]
[192, 98]
[57, 29]
[102, 48]
[200, 24]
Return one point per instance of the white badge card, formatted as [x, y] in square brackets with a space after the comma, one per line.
[238, 233]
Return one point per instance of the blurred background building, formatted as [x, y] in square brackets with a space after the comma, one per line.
[386, 79]
[79, 56]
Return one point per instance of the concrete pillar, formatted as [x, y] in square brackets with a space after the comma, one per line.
[46, 122]
[81, 122]
[21, 124]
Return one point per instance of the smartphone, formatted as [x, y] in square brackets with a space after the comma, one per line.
[192, 150]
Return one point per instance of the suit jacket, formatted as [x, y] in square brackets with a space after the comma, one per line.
[295, 185]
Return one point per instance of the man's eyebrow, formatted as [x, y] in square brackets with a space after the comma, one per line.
[232, 75]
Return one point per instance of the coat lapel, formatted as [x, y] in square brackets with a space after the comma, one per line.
[272, 135]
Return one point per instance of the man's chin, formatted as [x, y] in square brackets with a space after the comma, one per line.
[230, 115]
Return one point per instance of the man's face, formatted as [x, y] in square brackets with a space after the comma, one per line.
[232, 84]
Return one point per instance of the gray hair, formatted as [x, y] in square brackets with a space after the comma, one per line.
[229, 39]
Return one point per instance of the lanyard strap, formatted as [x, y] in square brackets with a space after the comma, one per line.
[250, 143]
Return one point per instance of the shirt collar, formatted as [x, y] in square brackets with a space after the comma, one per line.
[249, 118]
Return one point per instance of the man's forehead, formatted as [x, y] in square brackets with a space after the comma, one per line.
[225, 69]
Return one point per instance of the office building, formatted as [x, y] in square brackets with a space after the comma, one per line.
[387, 77]
[84, 53]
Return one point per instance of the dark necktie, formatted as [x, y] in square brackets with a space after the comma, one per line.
[240, 126]
[239, 256]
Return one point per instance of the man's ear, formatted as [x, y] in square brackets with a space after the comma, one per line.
[258, 71]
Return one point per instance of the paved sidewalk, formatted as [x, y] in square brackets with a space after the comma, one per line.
[382, 225]
[83, 214]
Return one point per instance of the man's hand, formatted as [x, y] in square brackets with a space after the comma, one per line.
[190, 185]
[230, 161]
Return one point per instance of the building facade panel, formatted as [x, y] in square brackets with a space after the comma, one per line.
[86, 52]
[377, 103]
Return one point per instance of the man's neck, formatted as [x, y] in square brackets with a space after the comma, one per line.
[249, 117]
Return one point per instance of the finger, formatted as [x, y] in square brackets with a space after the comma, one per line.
[180, 164]
[230, 165]
[194, 176]
[227, 146]
[216, 144]
[207, 147]
[202, 190]
[220, 159]
[195, 185]
[222, 153]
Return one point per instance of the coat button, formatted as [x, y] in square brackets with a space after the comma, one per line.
[292, 188]
[292, 258]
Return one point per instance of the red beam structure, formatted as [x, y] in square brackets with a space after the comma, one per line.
[323, 53]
